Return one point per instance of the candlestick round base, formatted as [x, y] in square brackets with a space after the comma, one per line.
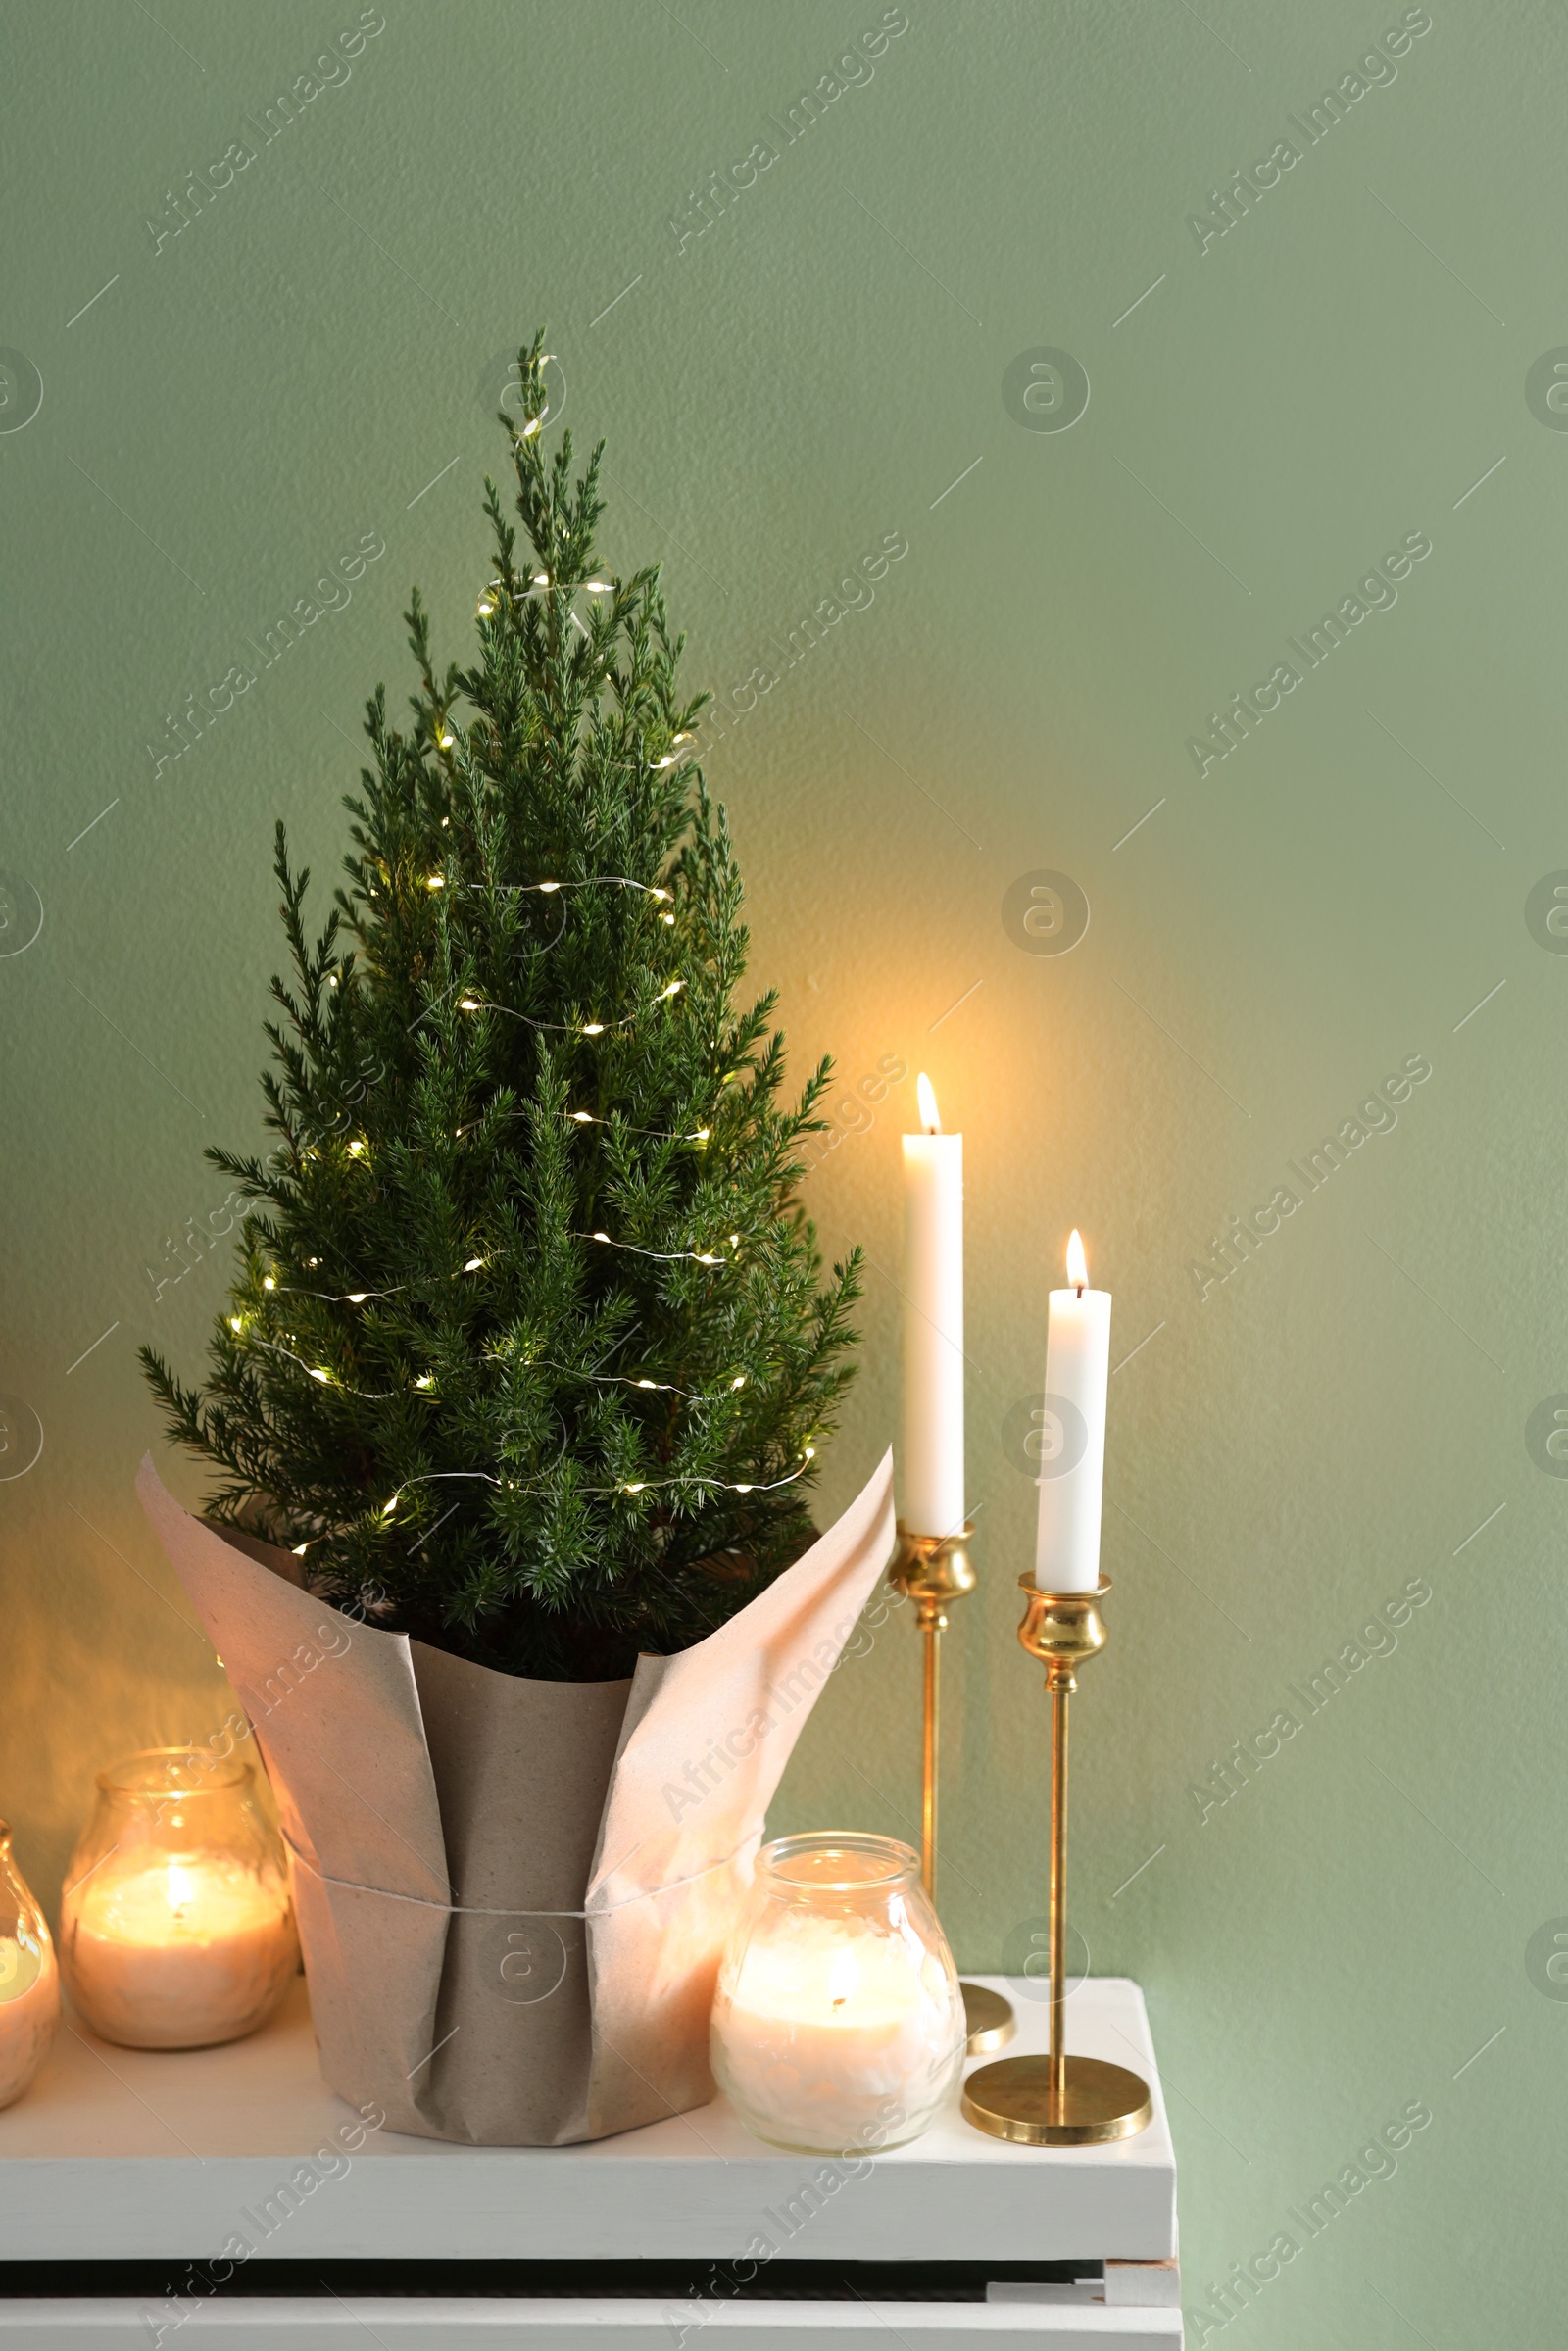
[1015, 2100]
[991, 2020]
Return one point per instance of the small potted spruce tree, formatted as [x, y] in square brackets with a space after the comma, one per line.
[528, 1358]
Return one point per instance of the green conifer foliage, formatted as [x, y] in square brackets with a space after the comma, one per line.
[527, 1349]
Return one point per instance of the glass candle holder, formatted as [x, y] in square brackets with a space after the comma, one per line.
[29, 1979]
[838, 2022]
[176, 1930]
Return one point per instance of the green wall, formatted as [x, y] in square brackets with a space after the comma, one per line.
[306, 367]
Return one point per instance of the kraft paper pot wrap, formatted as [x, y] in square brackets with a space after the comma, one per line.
[512, 1895]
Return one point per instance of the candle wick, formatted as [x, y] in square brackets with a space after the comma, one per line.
[1080, 1290]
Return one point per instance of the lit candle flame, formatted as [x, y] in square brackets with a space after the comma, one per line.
[181, 1887]
[1077, 1263]
[842, 1978]
[930, 1115]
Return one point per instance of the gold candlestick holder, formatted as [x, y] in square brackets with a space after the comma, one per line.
[1058, 2100]
[933, 1571]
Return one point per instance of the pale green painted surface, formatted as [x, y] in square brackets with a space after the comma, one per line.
[288, 372]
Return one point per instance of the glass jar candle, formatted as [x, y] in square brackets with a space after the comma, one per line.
[29, 1979]
[838, 2022]
[175, 1926]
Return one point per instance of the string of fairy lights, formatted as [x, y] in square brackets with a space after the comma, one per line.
[698, 1395]
[329, 1378]
[361, 1297]
[448, 739]
[604, 1492]
[634, 1486]
[568, 1028]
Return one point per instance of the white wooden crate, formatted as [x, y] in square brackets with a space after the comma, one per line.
[126, 2155]
[319, 2323]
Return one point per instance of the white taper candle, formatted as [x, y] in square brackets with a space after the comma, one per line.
[1072, 1450]
[933, 1325]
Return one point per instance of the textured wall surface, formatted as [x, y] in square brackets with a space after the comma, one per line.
[1344, 1449]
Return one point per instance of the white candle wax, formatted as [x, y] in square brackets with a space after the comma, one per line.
[832, 2038]
[30, 2013]
[933, 1326]
[1072, 1464]
[179, 1954]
